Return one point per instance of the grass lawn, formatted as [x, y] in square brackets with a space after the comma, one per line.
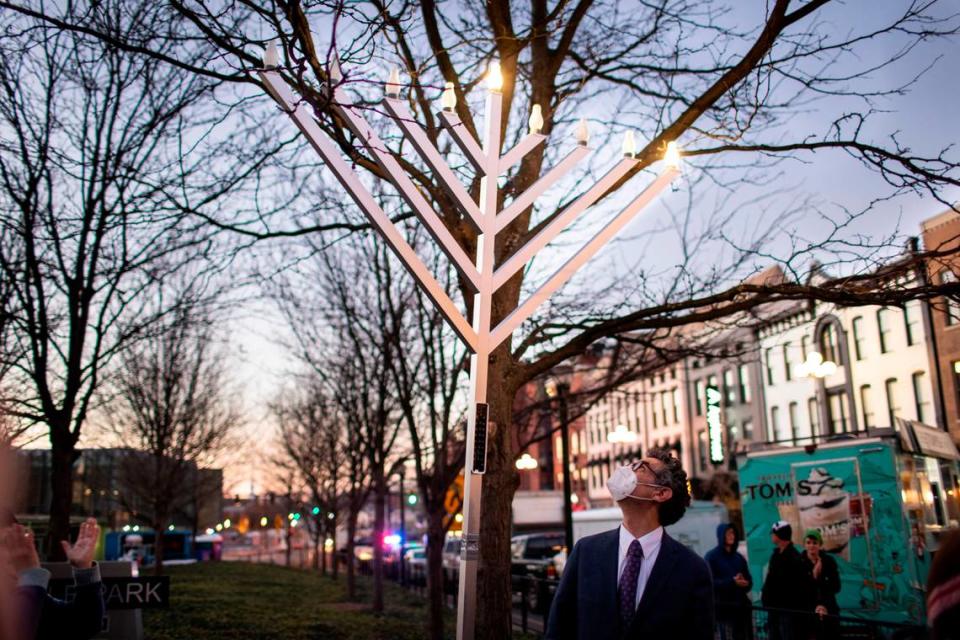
[254, 601]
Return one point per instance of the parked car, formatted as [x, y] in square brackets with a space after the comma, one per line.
[415, 560]
[451, 559]
[536, 563]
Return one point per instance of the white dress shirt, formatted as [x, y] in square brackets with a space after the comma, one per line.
[650, 543]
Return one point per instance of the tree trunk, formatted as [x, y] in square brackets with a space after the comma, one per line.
[335, 566]
[289, 542]
[317, 536]
[379, 505]
[436, 585]
[62, 455]
[351, 560]
[158, 536]
[494, 590]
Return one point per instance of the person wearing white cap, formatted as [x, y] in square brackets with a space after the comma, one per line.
[779, 594]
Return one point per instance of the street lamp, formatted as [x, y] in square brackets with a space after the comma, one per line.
[816, 368]
[559, 389]
[487, 218]
[527, 463]
[621, 435]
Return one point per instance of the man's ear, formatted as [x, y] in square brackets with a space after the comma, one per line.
[664, 494]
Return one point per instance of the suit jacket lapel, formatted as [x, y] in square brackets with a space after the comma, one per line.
[658, 577]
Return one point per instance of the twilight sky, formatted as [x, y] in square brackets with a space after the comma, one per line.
[925, 119]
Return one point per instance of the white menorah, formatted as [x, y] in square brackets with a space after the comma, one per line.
[482, 274]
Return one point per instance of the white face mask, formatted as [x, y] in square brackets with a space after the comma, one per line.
[623, 482]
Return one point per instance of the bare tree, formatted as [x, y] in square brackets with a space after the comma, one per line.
[312, 440]
[94, 196]
[175, 411]
[674, 70]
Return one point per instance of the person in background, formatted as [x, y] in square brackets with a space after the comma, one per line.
[943, 590]
[784, 592]
[731, 584]
[823, 579]
[41, 616]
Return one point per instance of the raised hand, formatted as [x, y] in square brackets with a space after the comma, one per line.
[21, 552]
[80, 553]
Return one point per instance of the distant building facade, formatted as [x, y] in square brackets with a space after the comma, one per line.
[942, 233]
[100, 489]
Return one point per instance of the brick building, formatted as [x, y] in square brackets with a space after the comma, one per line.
[942, 233]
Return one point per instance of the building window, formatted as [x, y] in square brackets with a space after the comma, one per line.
[911, 321]
[729, 388]
[893, 408]
[883, 327]
[951, 308]
[698, 393]
[794, 420]
[747, 430]
[653, 409]
[769, 354]
[866, 406]
[743, 377]
[803, 347]
[774, 424]
[664, 406]
[828, 343]
[858, 338]
[813, 410]
[839, 418]
[787, 367]
[920, 397]
[675, 396]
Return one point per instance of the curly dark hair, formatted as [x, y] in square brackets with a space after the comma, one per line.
[671, 475]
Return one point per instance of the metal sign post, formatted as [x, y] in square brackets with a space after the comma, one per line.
[479, 335]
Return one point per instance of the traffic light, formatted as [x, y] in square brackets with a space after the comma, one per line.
[412, 499]
[315, 511]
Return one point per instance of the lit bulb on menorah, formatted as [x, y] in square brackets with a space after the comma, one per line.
[487, 219]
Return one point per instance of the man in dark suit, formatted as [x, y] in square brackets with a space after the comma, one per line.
[636, 581]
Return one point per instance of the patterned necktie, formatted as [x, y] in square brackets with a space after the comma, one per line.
[628, 583]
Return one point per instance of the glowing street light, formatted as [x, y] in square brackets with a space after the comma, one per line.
[527, 462]
[816, 367]
[621, 435]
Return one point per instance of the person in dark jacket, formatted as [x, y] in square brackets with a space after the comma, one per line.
[731, 584]
[823, 580]
[40, 615]
[943, 590]
[636, 581]
[784, 593]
